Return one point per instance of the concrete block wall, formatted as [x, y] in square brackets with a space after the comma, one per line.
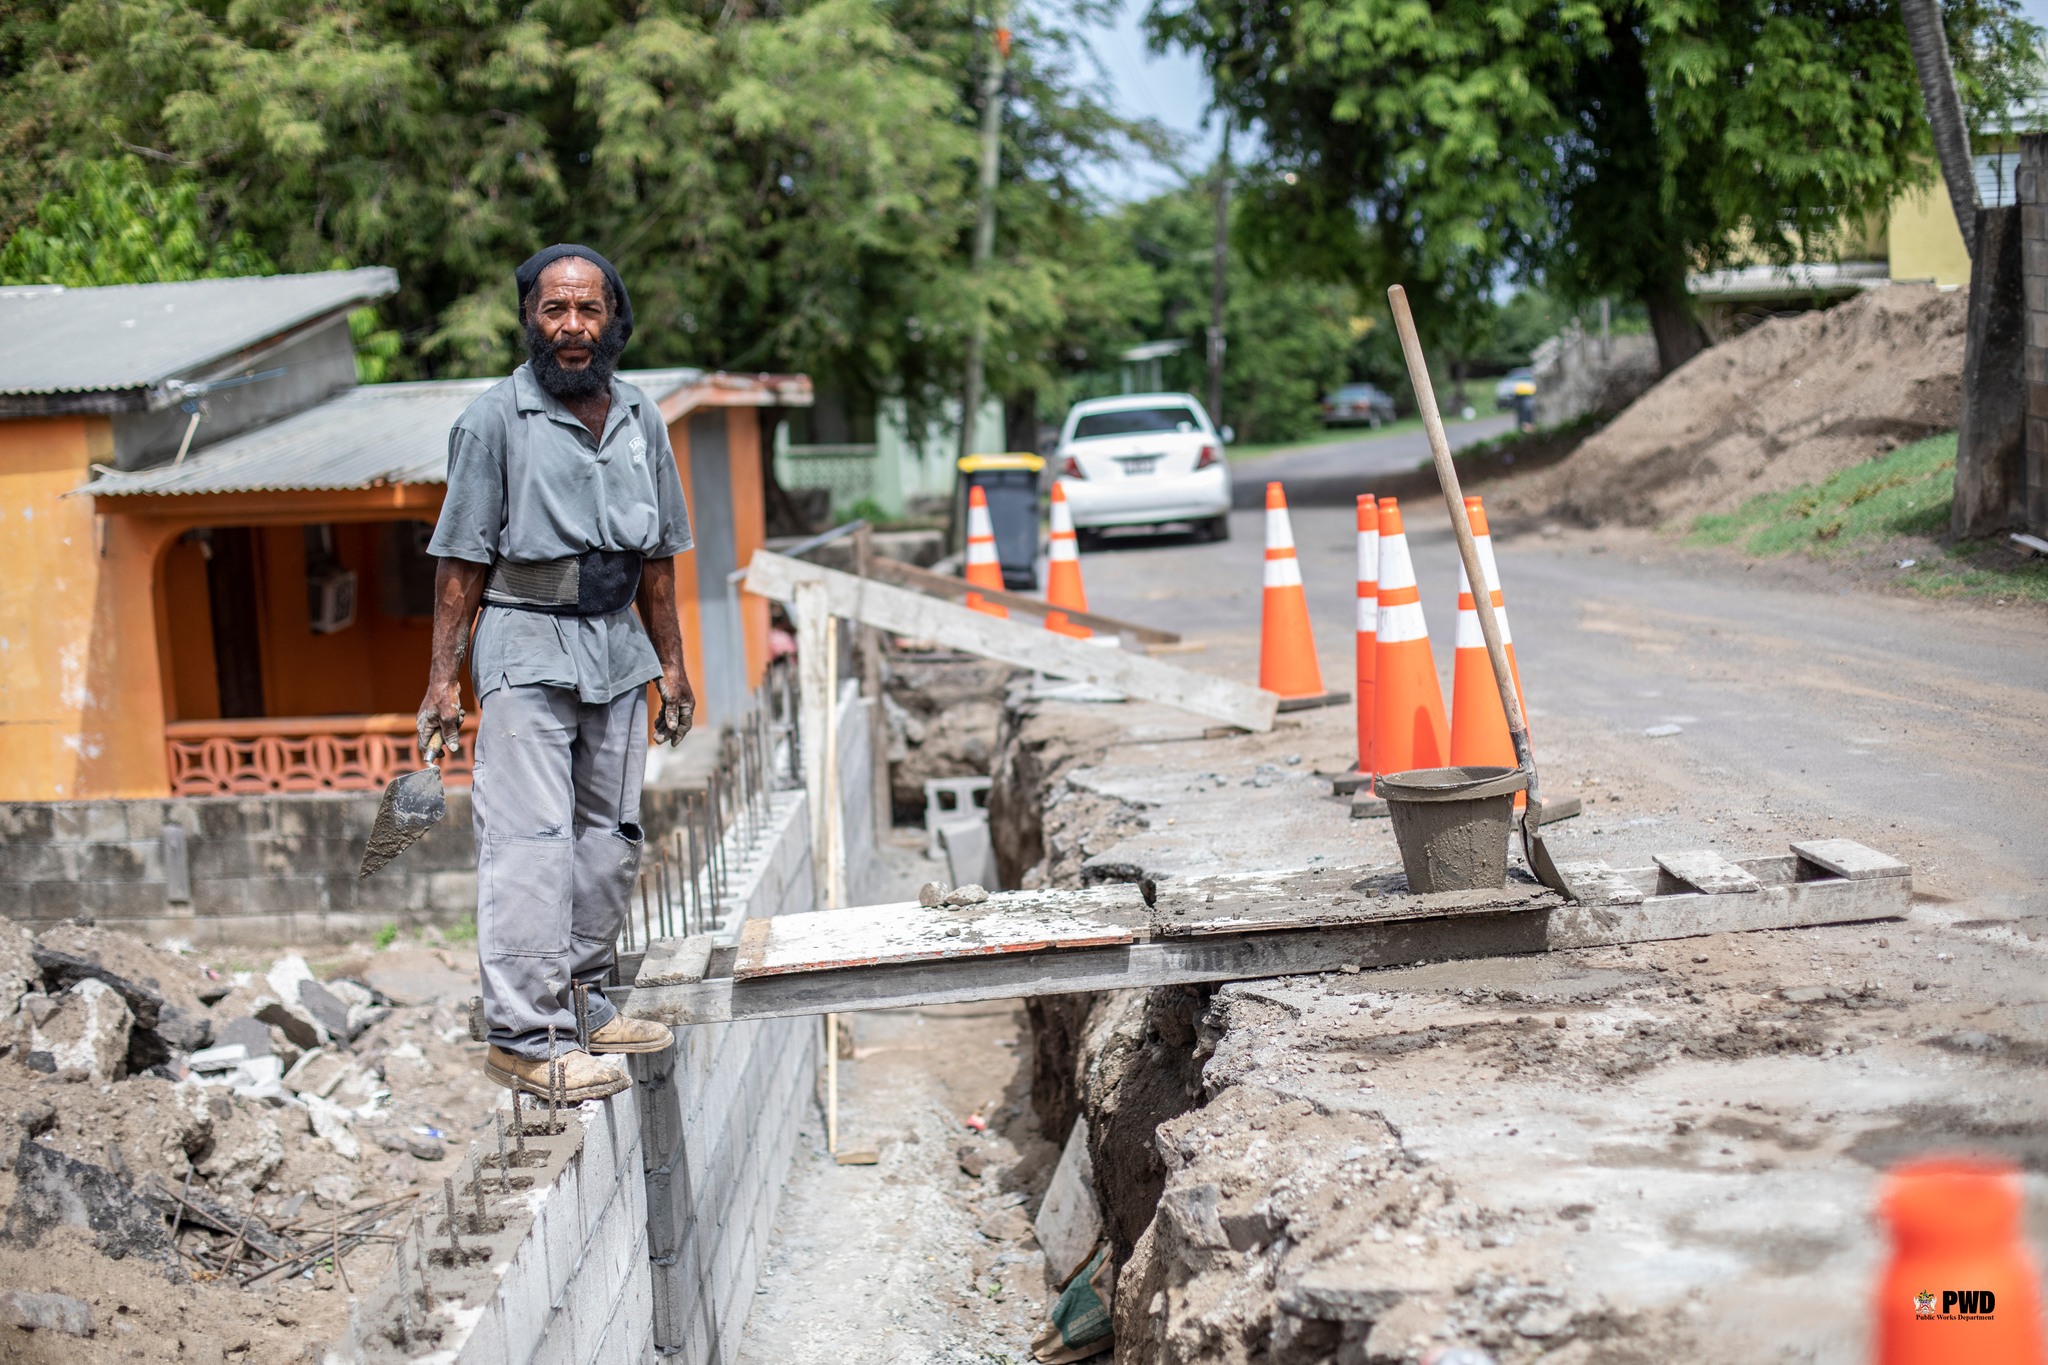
[262, 869]
[563, 1278]
[719, 1115]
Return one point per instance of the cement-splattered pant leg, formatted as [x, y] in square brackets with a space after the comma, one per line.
[556, 799]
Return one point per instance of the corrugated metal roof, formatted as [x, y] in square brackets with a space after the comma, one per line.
[374, 435]
[136, 336]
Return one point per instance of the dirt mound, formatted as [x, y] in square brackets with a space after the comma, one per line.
[1788, 403]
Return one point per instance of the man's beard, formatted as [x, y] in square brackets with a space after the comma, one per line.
[593, 379]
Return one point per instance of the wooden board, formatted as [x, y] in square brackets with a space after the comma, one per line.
[1707, 871]
[1847, 858]
[1319, 898]
[910, 613]
[1284, 924]
[873, 935]
[953, 589]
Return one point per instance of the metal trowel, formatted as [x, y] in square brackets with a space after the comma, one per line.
[413, 804]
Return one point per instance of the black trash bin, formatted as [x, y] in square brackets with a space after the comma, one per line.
[1010, 483]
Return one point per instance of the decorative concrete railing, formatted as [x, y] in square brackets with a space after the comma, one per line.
[299, 754]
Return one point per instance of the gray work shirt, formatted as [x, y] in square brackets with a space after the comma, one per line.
[526, 481]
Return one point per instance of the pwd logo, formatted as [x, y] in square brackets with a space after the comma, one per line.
[1957, 1305]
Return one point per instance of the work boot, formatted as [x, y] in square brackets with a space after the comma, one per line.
[580, 1075]
[632, 1035]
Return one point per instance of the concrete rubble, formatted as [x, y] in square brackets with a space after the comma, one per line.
[241, 1105]
[46, 1312]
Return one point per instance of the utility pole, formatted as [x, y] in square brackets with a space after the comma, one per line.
[1218, 261]
[985, 224]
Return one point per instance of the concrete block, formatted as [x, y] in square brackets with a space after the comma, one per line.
[558, 1229]
[486, 1343]
[106, 822]
[30, 821]
[557, 1345]
[122, 860]
[450, 892]
[522, 1296]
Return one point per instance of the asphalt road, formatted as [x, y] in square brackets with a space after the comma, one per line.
[1914, 725]
[1333, 473]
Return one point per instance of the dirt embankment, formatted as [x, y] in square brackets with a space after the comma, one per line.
[1787, 403]
[1610, 1156]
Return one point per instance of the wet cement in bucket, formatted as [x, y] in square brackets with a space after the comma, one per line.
[1452, 825]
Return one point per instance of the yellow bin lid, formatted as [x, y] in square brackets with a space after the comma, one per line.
[986, 464]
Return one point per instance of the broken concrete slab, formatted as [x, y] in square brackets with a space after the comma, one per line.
[46, 1312]
[247, 1149]
[18, 971]
[162, 989]
[318, 1073]
[53, 1190]
[251, 1034]
[327, 1008]
[1069, 1222]
[329, 1122]
[87, 1032]
[417, 976]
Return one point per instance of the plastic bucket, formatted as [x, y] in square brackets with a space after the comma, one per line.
[1452, 825]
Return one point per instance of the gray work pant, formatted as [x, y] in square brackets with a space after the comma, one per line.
[556, 799]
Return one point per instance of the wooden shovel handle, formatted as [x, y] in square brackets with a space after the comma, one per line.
[1468, 549]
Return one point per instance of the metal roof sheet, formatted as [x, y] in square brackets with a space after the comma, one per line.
[135, 336]
[369, 436]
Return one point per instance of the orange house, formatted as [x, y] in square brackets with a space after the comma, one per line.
[212, 572]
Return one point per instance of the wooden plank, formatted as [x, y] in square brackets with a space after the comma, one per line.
[1162, 961]
[1260, 902]
[1800, 905]
[1847, 858]
[909, 613]
[1596, 883]
[672, 961]
[954, 589]
[872, 935]
[1707, 871]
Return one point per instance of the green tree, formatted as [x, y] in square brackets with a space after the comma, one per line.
[110, 224]
[784, 188]
[1602, 147]
[1290, 335]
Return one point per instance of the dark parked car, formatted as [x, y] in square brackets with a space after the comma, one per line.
[1356, 403]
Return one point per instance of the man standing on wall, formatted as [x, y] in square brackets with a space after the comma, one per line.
[564, 511]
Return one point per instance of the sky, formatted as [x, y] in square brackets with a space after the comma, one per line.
[1170, 89]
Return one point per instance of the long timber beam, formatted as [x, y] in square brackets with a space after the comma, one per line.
[905, 612]
[1239, 928]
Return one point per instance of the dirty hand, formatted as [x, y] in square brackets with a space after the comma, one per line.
[678, 711]
[440, 721]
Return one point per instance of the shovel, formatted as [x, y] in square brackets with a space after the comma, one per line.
[413, 804]
[1533, 851]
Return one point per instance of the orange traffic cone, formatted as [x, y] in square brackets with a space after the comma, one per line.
[1479, 727]
[1063, 571]
[1368, 627]
[1409, 730]
[983, 570]
[1960, 1285]
[1287, 647]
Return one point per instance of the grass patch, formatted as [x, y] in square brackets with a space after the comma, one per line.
[1905, 494]
[1330, 436]
[385, 937]
[462, 931]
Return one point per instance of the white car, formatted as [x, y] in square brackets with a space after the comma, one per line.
[1144, 459]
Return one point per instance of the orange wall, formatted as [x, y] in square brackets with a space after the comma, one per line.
[750, 528]
[81, 697]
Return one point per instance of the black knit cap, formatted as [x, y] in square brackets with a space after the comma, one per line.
[528, 275]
